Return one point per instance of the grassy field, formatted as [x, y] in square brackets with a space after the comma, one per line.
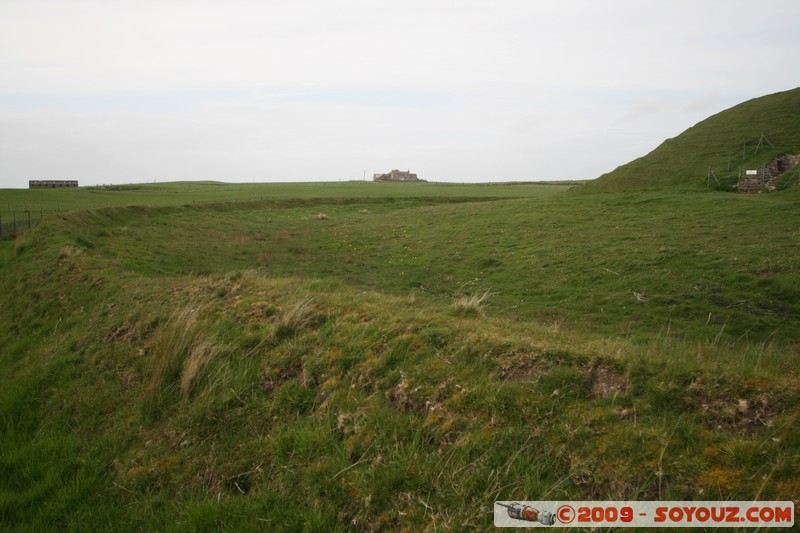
[190, 193]
[352, 356]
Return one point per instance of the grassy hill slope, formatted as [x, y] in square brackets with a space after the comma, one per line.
[258, 366]
[724, 142]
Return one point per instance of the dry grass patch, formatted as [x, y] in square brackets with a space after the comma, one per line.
[471, 304]
[171, 354]
[197, 358]
[69, 252]
[294, 318]
[607, 382]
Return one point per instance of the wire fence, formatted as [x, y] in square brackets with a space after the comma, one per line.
[11, 224]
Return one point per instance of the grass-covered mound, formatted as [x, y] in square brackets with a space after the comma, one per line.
[395, 365]
[727, 143]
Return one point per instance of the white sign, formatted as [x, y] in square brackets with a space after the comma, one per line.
[751, 172]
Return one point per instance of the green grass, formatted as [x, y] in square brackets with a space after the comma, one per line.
[190, 193]
[236, 363]
[635, 264]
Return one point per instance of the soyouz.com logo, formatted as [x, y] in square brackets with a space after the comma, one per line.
[643, 514]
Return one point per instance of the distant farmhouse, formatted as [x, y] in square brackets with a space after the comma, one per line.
[396, 175]
[51, 184]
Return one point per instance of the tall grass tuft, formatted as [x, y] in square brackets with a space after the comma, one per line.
[198, 357]
[294, 318]
[471, 304]
[175, 350]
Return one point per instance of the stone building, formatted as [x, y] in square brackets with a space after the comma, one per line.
[51, 184]
[396, 175]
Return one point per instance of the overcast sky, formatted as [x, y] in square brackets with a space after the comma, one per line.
[472, 90]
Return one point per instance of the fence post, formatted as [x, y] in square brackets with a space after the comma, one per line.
[29, 220]
[15, 223]
[1, 225]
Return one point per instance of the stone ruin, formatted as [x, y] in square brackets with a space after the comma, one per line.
[396, 175]
[766, 177]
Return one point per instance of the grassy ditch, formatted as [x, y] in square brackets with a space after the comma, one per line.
[710, 267]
